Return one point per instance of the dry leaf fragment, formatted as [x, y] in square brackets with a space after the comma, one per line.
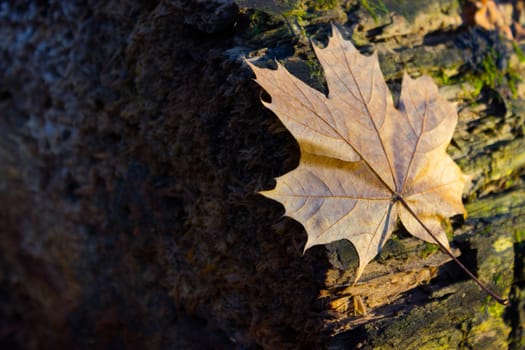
[360, 155]
[490, 17]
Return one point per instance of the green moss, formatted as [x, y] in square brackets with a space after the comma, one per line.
[519, 235]
[442, 78]
[492, 74]
[429, 249]
[375, 8]
[410, 10]
[359, 38]
[513, 79]
[315, 69]
[435, 345]
[491, 331]
[321, 5]
[256, 20]
[519, 53]
[263, 27]
[502, 243]
[298, 12]
[489, 75]
[305, 10]
[497, 205]
[449, 230]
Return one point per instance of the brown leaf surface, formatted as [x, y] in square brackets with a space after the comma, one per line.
[359, 153]
[490, 17]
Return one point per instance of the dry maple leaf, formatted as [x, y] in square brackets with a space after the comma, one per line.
[365, 163]
[489, 16]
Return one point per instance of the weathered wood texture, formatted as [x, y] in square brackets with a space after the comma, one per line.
[132, 145]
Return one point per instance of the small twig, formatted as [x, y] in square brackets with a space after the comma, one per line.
[499, 299]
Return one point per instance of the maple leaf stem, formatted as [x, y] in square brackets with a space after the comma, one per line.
[487, 290]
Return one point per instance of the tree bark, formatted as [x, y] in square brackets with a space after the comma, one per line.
[133, 143]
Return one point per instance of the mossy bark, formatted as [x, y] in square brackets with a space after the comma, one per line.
[133, 143]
